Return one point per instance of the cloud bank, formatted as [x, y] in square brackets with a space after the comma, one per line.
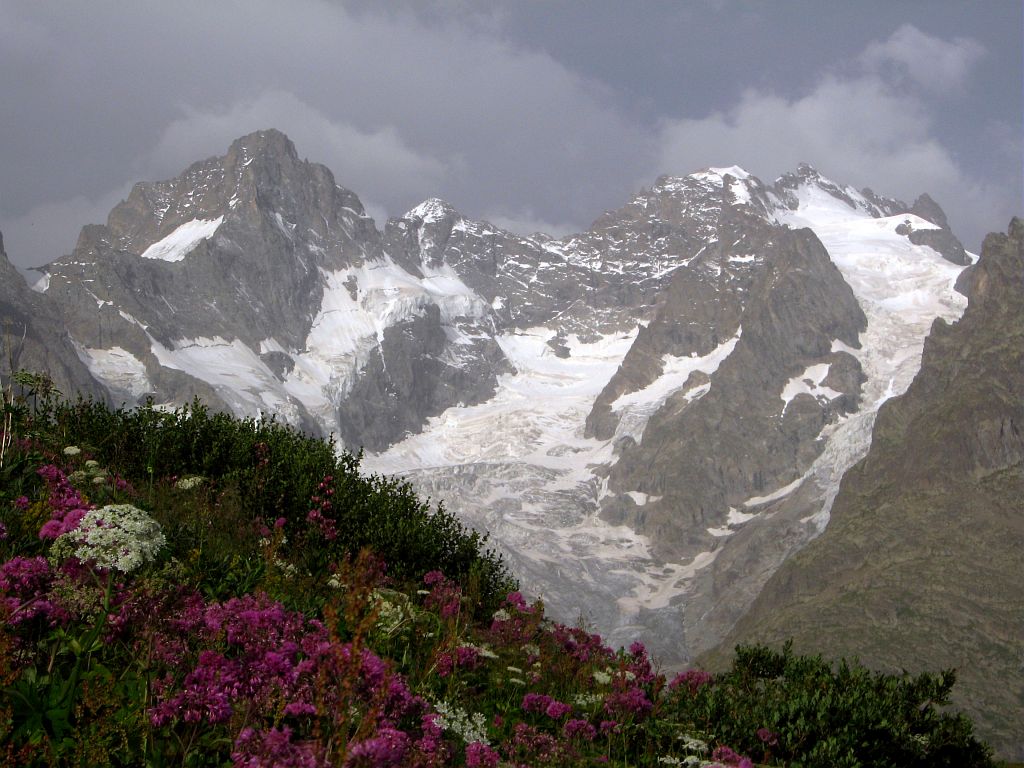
[870, 125]
[410, 101]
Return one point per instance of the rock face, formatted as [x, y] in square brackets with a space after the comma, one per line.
[942, 239]
[255, 282]
[33, 337]
[724, 440]
[919, 567]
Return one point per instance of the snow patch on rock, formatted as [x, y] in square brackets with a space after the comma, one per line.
[118, 369]
[177, 245]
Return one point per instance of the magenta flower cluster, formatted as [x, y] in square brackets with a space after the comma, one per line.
[728, 757]
[481, 756]
[321, 506]
[546, 705]
[445, 595]
[693, 679]
[66, 503]
[25, 582]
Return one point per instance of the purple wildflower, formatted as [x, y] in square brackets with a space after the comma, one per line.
[694, 679]
[480, 755]
[556, 710]
[580, 729]
[274, 749]
[388, 747]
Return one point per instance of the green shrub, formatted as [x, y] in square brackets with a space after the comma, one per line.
[801, 711]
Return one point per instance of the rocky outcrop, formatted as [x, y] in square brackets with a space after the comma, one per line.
[919, 568]
[412, 373]
[721, 248]
[702, 454]
[33, 337]
[942, 239]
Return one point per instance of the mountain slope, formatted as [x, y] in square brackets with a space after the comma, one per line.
[920, 566]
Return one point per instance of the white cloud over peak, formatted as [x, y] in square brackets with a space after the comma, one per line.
[861, 127]
[361, 160]
[931, 62]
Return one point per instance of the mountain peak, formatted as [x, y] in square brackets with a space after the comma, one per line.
[266, 142]
[432, 209]
[807, 171]
[929, 210]
[733, 170]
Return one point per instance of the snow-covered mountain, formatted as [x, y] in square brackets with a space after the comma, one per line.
[649, 416]
[650, 478]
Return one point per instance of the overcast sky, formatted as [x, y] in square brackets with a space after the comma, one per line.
[534, 115]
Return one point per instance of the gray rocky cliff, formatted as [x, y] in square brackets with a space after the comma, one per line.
[737, 438]
[412, 374]
[253, 277]
[33, 337]
[213, 284]
[919, 566]
[724, 246]
[942, 239]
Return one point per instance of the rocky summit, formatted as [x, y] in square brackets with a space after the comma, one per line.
[649, 417]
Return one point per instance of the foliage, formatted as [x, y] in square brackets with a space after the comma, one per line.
[805, 711]
[185, 588]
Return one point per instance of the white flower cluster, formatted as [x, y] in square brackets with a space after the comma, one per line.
[288, 569]
[588, 700]
[118, 536]
[691, 744]
[188, 483]
[689, 762]
[482, 650]
[72, 450]
[391, 616]
[93, 472]
[455, 719]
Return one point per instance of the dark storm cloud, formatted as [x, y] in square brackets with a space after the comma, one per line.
[399, 108]
[536, 115]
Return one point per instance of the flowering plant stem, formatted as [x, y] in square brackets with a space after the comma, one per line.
[83, 650]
